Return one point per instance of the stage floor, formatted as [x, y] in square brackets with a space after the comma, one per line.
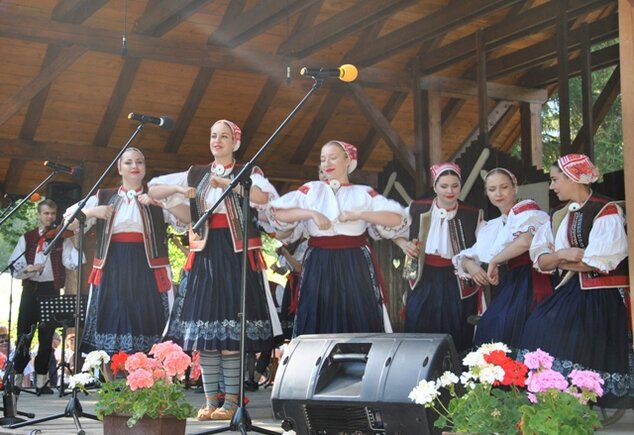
[259, 410]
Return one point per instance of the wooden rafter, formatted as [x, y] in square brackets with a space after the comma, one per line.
[257, 113]
[351, 20]
[255, 20]
[435, 24]
[164, 15]
[185, 117]
[383, 127]
[321, 118]
[529, 22]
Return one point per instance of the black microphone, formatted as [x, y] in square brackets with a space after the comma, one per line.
[165, 122]
[73, 171]
[345, 73]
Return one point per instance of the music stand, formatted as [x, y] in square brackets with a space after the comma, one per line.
[60, 311]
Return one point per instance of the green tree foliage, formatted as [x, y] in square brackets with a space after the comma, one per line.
[608, 140]
[21, 221]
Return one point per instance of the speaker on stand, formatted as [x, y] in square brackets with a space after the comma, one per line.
[359, 383]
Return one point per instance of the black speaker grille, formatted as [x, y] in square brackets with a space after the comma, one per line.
[342, 419]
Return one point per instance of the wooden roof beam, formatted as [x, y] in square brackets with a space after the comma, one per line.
[189, 108]
[383, 127]
[498, 91]
[76, 11]
[164, 15]
[356, 17]
[46, 76]
[255, 21]
[433, 25]
[326, 109]
[543, 77]
[529, 22]
[601, 30]
[257, 113]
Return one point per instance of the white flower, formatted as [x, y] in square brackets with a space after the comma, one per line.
[490, 373]
[466, 379]
[79, 380]
[476, 358]
[447, 379]
[424, 393]
[490, 347]
[94, 360]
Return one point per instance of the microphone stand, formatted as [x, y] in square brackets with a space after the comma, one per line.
[6, 215]
[241, 421]
[9, 401]
[73, 407]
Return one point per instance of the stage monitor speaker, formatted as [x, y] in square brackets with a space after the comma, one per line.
[359, 383]
[64, 194]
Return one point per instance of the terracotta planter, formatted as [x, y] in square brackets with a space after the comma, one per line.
[117, 424]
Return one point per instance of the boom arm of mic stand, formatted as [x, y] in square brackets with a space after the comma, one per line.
[83, 202]
[247, 167]
[26, 198]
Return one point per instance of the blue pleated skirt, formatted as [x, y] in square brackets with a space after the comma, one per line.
[339, 293]
[125, 311]
[586, 329]
[434, 306]
[504, 319]
[205, 313]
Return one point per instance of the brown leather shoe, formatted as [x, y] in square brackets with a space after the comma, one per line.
[226, 412]
[205, 412]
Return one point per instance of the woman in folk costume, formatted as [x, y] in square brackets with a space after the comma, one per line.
[131, 281]
[500, 258]
[584, 324]
[438, 301]
[340, 287]
[205, 315]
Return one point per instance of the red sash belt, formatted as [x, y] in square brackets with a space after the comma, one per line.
[542, 286]
[437, 261]
[345, 242]
[127, 237]
[163, 282]
[338, 242]
[220, 220]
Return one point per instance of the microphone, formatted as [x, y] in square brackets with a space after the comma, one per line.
[73, 171]
[165, 122]
[345, 73]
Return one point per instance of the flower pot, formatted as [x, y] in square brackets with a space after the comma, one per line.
[117, 424]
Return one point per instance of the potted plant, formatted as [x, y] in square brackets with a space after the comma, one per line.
[498, 394]
[147, 390]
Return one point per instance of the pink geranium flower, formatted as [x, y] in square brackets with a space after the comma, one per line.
[586, 379]
[140, 378]
[545, 379]
[538, 360]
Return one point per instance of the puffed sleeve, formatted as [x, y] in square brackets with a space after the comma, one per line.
[527, 217]
[175, 179]
[607, 244]
[92, 202]
[70, 255]
[294, 199]
[543, 243]
[381, 203]
[471, 253]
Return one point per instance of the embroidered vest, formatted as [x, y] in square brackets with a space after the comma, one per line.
[154, 232]
[198, 177]
[578, 233]
[59, 271]
[462, 231]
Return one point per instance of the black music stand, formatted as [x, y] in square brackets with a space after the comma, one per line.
[60, 311]
[9, 399]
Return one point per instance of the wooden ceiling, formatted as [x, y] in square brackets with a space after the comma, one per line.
[68, 80]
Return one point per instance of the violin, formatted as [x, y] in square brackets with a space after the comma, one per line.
[54, 230]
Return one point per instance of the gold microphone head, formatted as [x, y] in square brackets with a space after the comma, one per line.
[348, 73]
